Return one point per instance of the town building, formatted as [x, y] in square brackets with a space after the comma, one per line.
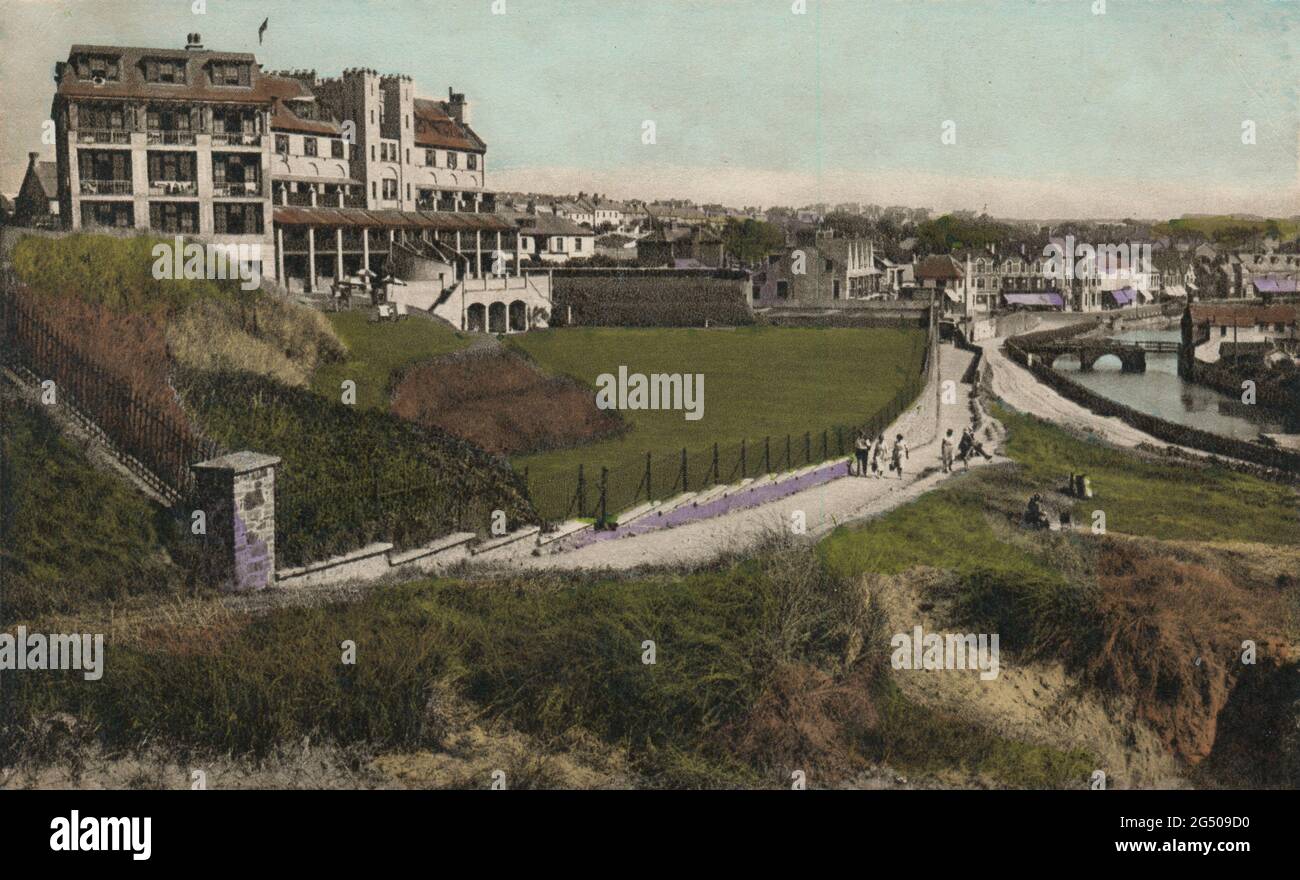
[826, 271]
[1216, 327]
[690, 247]
[551, 238]
[37, 202]
[327, 180]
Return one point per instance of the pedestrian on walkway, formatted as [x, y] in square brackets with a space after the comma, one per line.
[898, 456]
[877, 453]
[862, 450]
[964, 446]
[945, 452]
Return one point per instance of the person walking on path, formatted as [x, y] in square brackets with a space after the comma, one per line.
[877, 454]
[945, 452]
[898, 456]
[963, 447]
[862, 451]
[970, 446]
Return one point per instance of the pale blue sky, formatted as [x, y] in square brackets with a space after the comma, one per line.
[1057, 110]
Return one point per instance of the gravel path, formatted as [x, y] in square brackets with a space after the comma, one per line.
[834, 502]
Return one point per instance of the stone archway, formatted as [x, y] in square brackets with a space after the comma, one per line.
[476, 318]
[518, 316]
[497, 318]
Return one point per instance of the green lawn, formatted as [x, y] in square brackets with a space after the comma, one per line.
[758, 381]
[376, 350]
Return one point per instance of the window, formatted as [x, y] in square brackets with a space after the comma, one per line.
[118, 214]
[756, 291]
[783, 289]
[174, 216]
[164, 70]
[229, 74]
[430, 158]
[336, 148]
[408, 155]
[577, 245]
[167, 120]
[471, 161]
[451, 159]
[282, 144]
[390, 189]
[372, 152]
[98, 67]
[171, 166]
[374, 190]
[309, 146]
[408, 190]
[835, 289]
[237, 219]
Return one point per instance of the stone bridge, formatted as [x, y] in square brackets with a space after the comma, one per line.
[1132, 355]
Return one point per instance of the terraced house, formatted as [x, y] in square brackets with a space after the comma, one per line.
[349, 177]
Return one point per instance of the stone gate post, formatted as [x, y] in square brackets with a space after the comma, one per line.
[236, 492]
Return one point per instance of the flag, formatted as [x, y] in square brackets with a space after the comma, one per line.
[262, 30]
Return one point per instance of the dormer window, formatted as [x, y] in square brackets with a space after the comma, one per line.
[164, 71]
[99, 67]
[229, 73]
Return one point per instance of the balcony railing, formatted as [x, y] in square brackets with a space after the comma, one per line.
[105, 187]
[171, 138]
[236, 139]
[103, 136]
[173, 187]
[237, 188]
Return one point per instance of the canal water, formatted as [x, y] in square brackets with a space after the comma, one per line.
[1160, 392]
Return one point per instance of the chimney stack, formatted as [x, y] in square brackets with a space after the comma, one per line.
[459, 106]
[193, 42]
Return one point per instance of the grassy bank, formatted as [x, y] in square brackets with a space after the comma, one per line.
[72, 535]
[376, 351]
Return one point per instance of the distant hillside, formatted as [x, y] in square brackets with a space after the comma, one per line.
[1229, 226]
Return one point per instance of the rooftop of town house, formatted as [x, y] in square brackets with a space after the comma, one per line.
[47, 175]
[937, 268]
[285, 92]
[1243, 315]
[550, 224]
[436, 127]
[130, 74]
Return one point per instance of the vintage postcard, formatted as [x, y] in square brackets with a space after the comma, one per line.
[869, 395]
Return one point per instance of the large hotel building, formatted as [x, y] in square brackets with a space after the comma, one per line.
[328, 176]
